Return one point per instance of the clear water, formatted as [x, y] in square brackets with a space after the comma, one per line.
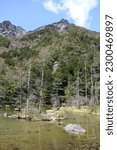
[28, 135]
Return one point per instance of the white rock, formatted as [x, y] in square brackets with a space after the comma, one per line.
[74, 128]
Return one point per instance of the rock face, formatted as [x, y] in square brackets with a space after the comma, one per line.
[10, 30]
[74, 128]
[62, 24]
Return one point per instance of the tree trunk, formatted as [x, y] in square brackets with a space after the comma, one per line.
[77, 91]
[92, 87]
[28, 89]
[41, 91]
[85, 83]
[20, 89]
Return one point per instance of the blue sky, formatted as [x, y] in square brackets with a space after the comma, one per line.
[31, 14]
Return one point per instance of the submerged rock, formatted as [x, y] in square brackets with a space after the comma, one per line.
[74, 128]
[36, 119]
[13, 116]
[60, 118]
[5, 115]
[60, 123]
[26, 117]
[46, 119]
[51, 116]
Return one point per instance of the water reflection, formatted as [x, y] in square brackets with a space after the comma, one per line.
[26, 135]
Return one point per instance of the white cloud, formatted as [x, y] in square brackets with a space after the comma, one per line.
[78, 10]
[53, 6]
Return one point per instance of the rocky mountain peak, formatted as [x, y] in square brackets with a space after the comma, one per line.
[10, 30]
[62, 24]
[64, 21]
[6, 23]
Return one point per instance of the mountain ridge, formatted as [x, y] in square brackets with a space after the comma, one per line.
[10, 30]
[67, 56]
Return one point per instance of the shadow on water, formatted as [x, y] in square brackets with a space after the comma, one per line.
[27, 135]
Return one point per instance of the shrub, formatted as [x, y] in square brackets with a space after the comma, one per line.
[4, 42]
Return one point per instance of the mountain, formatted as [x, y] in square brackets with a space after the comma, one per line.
[60, 25]
[10, 30]
[52, 65]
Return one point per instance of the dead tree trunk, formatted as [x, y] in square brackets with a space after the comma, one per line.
[77, 91]
[85, 83]
[20, 80]
[92, 87]
[41, 91]
[28, 88]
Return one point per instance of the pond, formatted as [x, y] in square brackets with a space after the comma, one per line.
[43, 135]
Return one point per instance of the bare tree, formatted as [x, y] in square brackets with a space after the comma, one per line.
[28, 88]
[20, 82]
[56, 92]
[77, 91]
[92, 87]
[42, 82]
[85, 82]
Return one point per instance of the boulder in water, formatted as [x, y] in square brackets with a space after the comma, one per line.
[74, 128]
[13, 116]
[5, 115]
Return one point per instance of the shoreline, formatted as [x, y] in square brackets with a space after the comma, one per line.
[72, 109]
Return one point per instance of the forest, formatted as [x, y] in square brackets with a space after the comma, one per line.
[50, 68]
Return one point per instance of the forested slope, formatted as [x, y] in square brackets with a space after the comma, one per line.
[57, 64]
